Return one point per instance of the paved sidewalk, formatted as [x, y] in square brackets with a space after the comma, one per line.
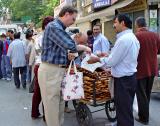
[16, 109]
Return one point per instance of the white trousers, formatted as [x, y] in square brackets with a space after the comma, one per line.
[50, 77]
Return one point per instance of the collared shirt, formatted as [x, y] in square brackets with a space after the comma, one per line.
[35, 55]
[101, 44]
[17, 52]
[147, 58]
[38, 48]
[56, 43]
[123, 57]
[30, 45]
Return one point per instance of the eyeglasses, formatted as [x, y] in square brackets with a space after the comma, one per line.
[74, 19]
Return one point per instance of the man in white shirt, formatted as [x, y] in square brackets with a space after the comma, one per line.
[123, 63]
[101, 43]
[17, 54]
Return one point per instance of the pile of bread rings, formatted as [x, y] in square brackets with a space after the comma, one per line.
[99, 80]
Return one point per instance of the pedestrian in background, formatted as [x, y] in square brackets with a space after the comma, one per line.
[10, 35]
[101, 43]
[17, 54]
[147, 67]
[29, 45]
[1, 50]
[36, 60]
[5, 63]
[55, 46]
[90, 40]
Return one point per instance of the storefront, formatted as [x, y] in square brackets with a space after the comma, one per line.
[154, 15]
[102, 15]
[105, 10]
[137, 8]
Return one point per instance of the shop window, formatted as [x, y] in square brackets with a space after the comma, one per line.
[133, 17]
[153, 18]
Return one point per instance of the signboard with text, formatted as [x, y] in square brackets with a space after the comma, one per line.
[101, 3]
[153, 20]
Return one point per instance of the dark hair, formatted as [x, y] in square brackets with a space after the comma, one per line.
[68, 9]
[141, 22]
[3, 35]
[11, 31]
[75, 31]
[46, 20]
[98, 24]
[17, 35]
[29, 34]
[89, 32]
[125, 18]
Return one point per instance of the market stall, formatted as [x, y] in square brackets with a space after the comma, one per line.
[96, 90]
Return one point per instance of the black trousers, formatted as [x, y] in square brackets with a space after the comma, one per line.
[124, 92]
[143, 92]
[22, 71]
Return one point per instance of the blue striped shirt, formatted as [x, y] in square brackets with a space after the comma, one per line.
[56, 43]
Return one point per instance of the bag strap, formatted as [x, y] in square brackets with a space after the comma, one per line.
[74, 66]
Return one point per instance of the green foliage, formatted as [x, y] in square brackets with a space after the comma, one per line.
[32, 8]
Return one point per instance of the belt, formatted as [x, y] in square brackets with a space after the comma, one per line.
[58, 65]
[62, 66]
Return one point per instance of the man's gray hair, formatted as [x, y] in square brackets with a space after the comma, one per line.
[141, 22]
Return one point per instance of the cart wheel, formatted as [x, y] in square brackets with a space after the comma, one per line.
[110, 110]
[83, 115]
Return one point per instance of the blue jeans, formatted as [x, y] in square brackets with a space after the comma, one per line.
[22, 71]
[28, 74]
[6, 67]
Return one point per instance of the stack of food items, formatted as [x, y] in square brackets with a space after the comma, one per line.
[96, 84]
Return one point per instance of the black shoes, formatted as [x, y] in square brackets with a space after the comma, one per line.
[40, 116]
[141, 121]
[24, 86]
[18, 86]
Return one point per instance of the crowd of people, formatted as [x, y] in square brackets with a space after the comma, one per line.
[45, 57]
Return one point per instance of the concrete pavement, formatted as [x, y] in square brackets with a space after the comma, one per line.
[15, 109]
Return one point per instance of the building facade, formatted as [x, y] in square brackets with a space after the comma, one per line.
[154, 15]
[92, 12]
[103, 11]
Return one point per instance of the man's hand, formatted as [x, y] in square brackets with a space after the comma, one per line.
[93, 59]
[102, 54]
[71, 56]
[88, 50]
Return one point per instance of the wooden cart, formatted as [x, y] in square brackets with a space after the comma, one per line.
[96, 94]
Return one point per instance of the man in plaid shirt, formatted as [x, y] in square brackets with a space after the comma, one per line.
[55, 46]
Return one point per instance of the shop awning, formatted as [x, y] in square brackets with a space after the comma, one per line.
[107, 13]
